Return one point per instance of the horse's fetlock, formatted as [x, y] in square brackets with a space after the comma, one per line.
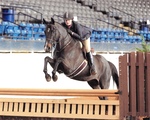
[53, 72]
[45, 71]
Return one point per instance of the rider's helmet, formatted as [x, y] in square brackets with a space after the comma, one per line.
[68, 16]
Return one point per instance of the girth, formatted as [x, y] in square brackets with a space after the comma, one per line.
[78, 70]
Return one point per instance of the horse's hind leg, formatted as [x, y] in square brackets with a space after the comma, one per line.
[95, 85]
[47, 60]
[104, 83]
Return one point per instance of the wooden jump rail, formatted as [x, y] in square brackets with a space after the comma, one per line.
[59, 92]
[24, 105]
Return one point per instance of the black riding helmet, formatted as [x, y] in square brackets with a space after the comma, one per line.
[68, 16]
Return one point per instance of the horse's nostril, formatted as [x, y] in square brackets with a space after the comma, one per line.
[47, 49]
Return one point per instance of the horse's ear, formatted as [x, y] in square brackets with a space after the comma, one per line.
[44, 21]
[52, 20]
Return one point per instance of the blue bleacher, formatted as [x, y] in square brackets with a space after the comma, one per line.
[3, 26]
[105, 35]
[35, 27]
[29, 31]
[23, 31]
[41, 27]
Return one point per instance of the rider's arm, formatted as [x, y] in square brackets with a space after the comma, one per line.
[83, 31]
[76, 35]
[79, 30]
[73, 34]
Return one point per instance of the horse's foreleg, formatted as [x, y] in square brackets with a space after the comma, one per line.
[54, 76]
[50, 61]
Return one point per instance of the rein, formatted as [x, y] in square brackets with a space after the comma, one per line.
[65, 44]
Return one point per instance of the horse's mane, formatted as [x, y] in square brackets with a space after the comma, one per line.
[61, 25]
[76, 40]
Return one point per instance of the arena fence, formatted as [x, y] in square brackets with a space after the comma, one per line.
[134, 81]
[43, 103]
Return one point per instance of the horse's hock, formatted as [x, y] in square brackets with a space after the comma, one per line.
[89, 107]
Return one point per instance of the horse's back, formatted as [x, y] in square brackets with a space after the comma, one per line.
[102, 65]
[101, 61]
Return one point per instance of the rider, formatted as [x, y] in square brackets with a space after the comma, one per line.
[82, 33]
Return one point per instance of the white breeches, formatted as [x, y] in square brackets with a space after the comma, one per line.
[87, 45]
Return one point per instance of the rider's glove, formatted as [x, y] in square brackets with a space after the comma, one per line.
[70, 32]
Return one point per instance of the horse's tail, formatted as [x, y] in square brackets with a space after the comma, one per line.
[114, 73]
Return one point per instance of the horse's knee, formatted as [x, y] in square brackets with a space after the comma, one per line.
[47, 59]
[59, 60]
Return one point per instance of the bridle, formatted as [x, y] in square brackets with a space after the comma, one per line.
[54, 42]
[49, 42]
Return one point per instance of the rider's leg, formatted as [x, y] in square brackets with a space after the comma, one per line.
[89, 56]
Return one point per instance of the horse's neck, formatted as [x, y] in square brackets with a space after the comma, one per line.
[65, 42]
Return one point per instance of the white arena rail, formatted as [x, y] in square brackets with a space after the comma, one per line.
[38, 103]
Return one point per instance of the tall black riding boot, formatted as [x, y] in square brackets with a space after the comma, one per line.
[90, 62]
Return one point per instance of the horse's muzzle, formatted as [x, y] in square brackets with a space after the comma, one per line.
[47, 47]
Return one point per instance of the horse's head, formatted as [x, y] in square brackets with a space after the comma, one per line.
[54, 32]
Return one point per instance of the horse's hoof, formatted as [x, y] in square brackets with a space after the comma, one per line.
[48, 77]
[103, 98]
[54, 78]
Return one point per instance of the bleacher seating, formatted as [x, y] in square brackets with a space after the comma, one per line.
[23, 31]
[113, 21]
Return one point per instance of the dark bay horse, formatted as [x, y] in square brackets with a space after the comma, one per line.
[69, 58]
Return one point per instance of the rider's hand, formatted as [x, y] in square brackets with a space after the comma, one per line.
[70, 32]
[84, 38]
